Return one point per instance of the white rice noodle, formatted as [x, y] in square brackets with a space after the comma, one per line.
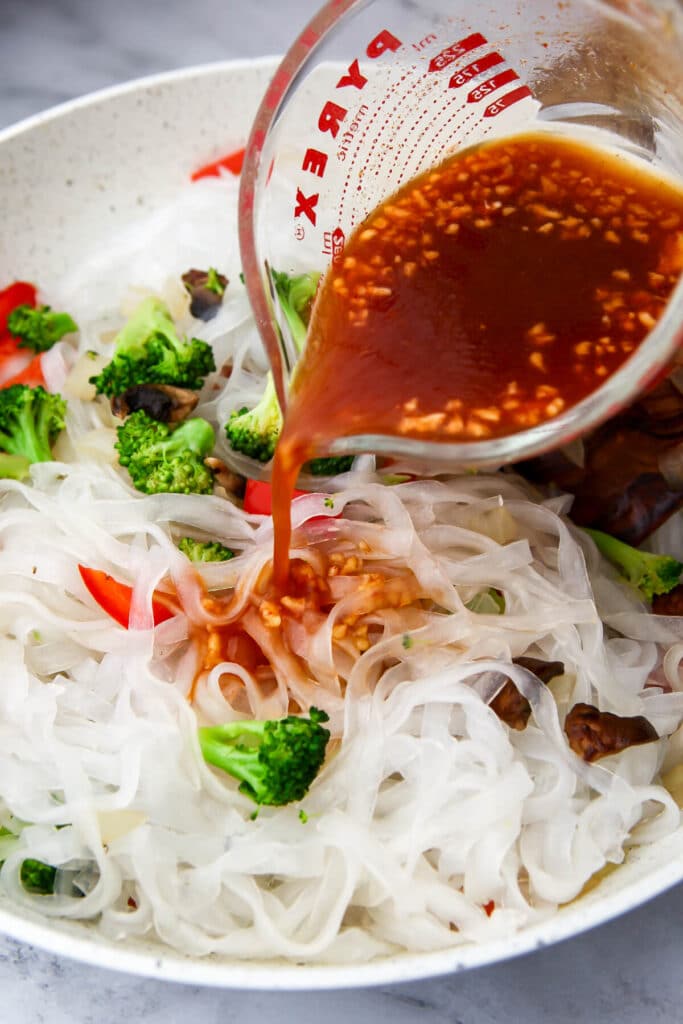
[428, 807]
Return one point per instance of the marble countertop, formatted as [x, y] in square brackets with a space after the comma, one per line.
[627, 971]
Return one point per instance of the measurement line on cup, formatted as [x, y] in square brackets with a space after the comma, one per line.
[456, 50]
[364, 134]
[492, 85]
[476, 68]
[507, 101]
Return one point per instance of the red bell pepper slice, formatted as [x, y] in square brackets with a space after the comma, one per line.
[19, 293]
[9, 345]
[232, 162]
[258, 500]
[115, 598]
[32, 375]
[258, 497]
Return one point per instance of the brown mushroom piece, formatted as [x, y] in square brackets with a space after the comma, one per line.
[669, 604]
[232, 482]
[162, 402]
[631, 480]
[510, 705]
[206, 288]
[593, 734]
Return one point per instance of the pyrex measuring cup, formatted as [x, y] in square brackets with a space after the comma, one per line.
[375, 91]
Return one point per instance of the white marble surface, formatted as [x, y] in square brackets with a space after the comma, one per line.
[627, 971]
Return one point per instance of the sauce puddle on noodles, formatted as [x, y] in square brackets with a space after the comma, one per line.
[487, 296]
[271, 627]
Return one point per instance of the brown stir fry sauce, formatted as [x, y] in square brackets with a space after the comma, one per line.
[487, 296]
[271, 618]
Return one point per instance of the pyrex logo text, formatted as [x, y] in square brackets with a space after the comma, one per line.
[331, 118]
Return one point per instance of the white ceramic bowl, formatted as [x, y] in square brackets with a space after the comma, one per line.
[67, 179]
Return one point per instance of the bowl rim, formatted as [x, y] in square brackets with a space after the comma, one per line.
[280, 976]
[133, 85]
[57, 937]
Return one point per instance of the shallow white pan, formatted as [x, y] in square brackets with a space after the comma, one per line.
[68, 178]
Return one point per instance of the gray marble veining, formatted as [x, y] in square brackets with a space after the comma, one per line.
[627, 971]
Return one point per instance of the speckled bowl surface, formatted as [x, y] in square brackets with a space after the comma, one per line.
[68, 178]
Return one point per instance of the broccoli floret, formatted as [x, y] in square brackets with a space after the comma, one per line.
[215, 282]
[206, 289]
[37, 877]
[162, 459]
[254, 432]
[330, 466]
[30, 420]
[138, 431]
[296, 295]
[650, 574]
[275, 761]
[204, 550]
[149, 350]
[39, 329]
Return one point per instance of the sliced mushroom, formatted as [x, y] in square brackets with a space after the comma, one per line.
[232, 482]
[669, 604]
[162, 402]
[543, 670]
[206, 288]
[510, 705]
[593, 734]
[631, 480]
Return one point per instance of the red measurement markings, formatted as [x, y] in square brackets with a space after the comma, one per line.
[402, 99]
[475, 69]
[507, 101]
[455, 51]
[460, 128]
[330, 120]
[338, 240]
[491, 84]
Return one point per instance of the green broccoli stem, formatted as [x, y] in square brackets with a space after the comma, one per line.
[296, 295]
[37, 432]
[149, 318]
[13, 467]
[220, 747]
[196, 434]
[650, 573]
[276, 761]
[267, 413]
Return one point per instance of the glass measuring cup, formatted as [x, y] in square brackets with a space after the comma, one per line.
[373, 92]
